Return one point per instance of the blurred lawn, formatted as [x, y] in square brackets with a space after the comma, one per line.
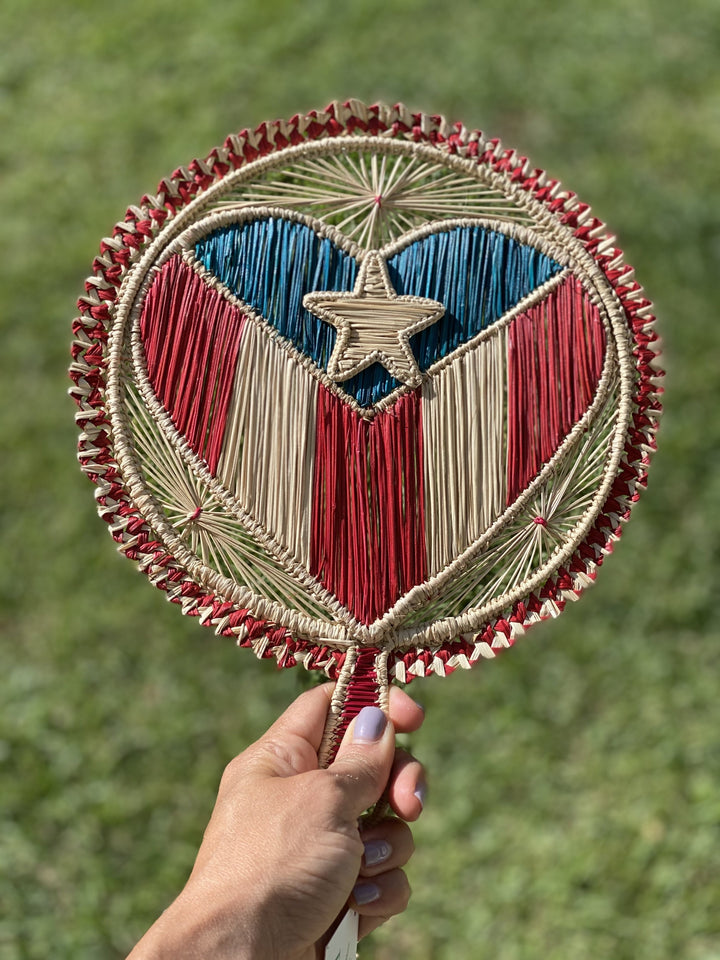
[575, 784]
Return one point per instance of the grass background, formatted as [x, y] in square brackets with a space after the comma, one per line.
[575, 796]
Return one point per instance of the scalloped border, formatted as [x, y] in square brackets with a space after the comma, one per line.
[119, 252]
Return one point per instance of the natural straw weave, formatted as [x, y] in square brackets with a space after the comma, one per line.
[492, 471]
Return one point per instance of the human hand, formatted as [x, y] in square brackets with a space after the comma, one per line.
[283, 853]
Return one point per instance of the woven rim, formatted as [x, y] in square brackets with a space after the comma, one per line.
[188, 188]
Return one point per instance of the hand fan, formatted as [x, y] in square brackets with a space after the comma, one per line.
[365, 392]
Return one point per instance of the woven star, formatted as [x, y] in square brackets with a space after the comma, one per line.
[374, 324]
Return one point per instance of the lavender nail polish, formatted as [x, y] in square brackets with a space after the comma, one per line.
[376, 851]
[369, 725]
[365, 893]
[421, 793]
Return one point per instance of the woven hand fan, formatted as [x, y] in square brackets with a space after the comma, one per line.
[365, 392]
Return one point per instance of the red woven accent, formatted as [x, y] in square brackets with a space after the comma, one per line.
[191, 336]
[122, 249]
[362, 691]
[555, 359]
[368, 533]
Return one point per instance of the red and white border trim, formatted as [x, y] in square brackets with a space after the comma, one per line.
[141, 224]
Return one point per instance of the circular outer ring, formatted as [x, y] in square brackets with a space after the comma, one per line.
[130, 239]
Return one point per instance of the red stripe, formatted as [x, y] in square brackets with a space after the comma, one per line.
[363, 690]
[555, 356]
[368, 529]
[191, 336]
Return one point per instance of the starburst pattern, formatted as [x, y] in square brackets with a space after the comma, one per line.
[530, 540]
[204, 525]
[375, 199]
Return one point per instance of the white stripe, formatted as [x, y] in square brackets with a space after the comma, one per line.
[463, 409]
[269, 447]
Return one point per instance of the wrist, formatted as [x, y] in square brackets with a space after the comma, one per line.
[195, 929]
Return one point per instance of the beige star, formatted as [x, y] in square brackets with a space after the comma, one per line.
[374, 324]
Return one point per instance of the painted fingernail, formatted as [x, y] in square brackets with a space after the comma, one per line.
[376, 851]
[365, 893]
[369, 725]
[421, 793]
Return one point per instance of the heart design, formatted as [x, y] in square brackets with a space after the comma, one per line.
[370, 486]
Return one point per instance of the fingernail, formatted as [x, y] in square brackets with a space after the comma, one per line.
[418, 704]
[376, 851]
[369, 725]
[421, 793]
[365, 893]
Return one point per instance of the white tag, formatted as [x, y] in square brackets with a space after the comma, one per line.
[343, 943]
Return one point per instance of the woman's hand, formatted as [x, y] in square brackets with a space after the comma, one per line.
[283, 854]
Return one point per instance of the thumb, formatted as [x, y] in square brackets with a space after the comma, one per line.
[364, 760]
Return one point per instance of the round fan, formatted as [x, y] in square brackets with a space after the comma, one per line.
[365, 392]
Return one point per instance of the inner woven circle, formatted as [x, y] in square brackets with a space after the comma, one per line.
[596, 438]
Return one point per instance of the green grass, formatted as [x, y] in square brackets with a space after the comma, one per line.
[575, 783]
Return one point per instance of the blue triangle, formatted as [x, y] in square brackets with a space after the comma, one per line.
[477, 273]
